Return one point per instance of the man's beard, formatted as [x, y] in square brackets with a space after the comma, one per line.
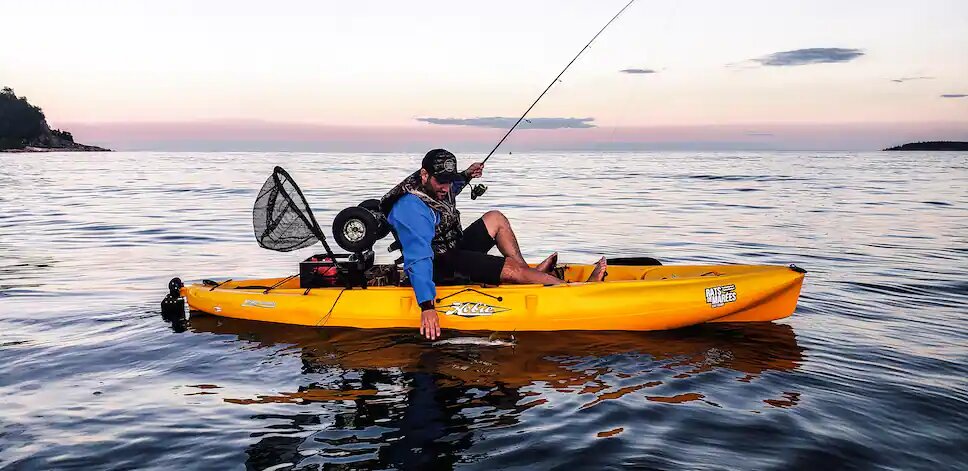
[428, 190]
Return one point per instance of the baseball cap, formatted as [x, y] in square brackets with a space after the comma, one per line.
[441, 164]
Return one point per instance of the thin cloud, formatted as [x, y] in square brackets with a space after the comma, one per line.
[908, 79]
[815, 55]
[955, 95]
[759, 133]
[638, 71]
[507, 122]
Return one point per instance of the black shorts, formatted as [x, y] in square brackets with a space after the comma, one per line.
[469, 261]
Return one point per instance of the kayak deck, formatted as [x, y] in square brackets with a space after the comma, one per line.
[631, 298]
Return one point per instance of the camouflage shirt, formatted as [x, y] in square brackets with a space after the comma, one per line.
[448, 231]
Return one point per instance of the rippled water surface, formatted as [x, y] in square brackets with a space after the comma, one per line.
[870, 372]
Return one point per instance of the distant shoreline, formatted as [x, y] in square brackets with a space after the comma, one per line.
[932, 146]
[31, 149]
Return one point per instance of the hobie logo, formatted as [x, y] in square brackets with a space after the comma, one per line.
[472, 309]
[719, 295]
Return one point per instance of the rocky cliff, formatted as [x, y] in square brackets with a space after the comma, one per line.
[24, 128]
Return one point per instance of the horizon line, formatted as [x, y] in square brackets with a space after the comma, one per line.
[240, 135]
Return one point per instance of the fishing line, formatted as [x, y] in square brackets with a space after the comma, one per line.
[627, 102]
[489, 154]
[479, 189]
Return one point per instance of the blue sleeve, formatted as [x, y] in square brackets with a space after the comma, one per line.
[458, 185]
[414, 223]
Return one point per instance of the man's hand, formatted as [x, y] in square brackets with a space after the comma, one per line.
[475, 170]
[429, 324]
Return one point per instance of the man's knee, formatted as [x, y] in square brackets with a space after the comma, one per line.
[495, 214]
[495, 219]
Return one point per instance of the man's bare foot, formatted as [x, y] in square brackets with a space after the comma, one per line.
[598, 274]
[548, 264]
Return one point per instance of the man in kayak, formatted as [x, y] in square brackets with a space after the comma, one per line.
[423, 213]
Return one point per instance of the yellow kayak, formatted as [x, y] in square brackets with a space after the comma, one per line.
[632, 298]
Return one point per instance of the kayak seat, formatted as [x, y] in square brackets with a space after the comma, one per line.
[456, 280]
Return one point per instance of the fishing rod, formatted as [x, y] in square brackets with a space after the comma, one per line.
[479, 190]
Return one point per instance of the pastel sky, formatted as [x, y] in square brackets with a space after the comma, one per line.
[391, 75]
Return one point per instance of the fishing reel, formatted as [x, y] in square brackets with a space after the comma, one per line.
[478, 190]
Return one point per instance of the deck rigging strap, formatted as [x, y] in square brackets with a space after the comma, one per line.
[329, 313]
[280, 283]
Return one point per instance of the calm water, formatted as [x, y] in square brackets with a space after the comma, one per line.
[869, 373]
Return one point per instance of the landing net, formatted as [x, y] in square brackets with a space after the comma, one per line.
[281, 218]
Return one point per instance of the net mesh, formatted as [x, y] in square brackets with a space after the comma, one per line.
[281, 218]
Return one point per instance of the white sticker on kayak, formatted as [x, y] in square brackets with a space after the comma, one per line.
[719, 295]
[263, 304]
[472, 309]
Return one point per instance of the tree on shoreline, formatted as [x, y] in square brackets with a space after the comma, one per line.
[20, 122]
[24, 125]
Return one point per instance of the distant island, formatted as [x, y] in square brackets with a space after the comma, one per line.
[933, 145]
[23, 128]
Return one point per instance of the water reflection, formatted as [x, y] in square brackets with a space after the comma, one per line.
[388, 398]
